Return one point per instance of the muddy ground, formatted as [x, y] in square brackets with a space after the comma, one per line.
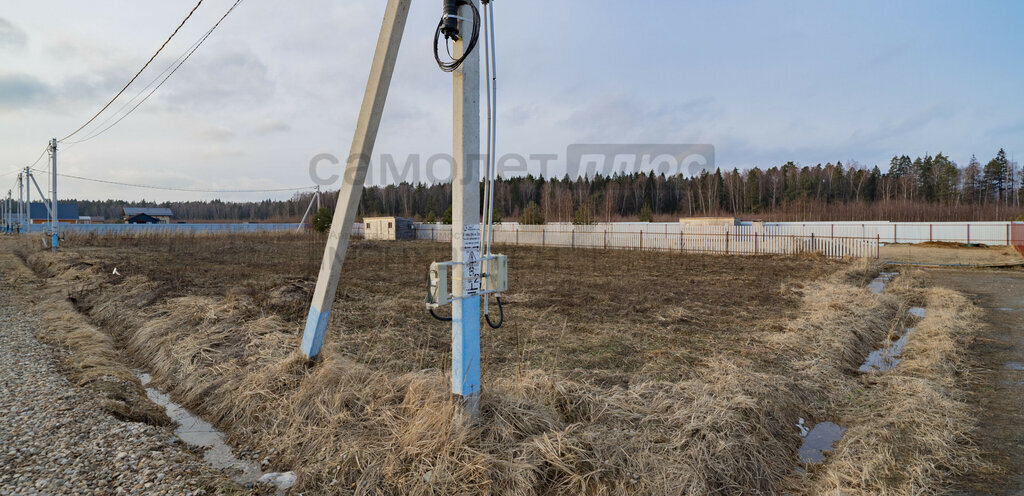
[999, 393]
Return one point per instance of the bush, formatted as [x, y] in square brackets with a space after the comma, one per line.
[645, 214]
[582, 216]
[531, 215]
[322, 220]
[430, 218]
[447, 219]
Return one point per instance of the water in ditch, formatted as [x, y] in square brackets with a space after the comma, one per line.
[888, 357]
[878, 284]
[195, 431]
[819, 441]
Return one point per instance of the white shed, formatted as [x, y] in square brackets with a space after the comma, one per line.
[388, 228]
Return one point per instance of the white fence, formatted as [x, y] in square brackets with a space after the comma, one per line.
[988, 233]
[731, 240]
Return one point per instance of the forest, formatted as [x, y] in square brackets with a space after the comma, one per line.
[929, 188]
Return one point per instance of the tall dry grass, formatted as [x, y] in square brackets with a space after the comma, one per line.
[727, 427]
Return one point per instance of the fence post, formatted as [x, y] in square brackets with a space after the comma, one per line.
[814, 246]
[931, 228]
[878, 246]
[605, 239]
[572, 239]
[755, 244]
[1008, 243]
[543, 236]
[726, 242]
[517, 235]
[968, 234]
[641, 240]
[681, 241]
[894, 238]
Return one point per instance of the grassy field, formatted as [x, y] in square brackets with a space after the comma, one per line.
[617, 372]
[609, 316]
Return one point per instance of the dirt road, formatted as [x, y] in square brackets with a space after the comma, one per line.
[1000, 393]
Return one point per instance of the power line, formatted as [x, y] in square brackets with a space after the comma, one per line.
[137, 74]
[189, 190]
[187, 55]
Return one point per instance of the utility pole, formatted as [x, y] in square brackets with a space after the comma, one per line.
[21, 202]
[383, 67]
[466, 223]
[28, 200]
[53, 202]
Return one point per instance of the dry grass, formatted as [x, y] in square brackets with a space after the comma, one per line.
[92, 360]
[922, 442]
[622, 373]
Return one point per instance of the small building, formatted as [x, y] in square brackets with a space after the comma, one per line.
[709, 221]
[90, 219]
[388, 228]
[162, 215]
[67, 213]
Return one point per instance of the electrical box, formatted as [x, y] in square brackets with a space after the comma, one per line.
[496, 274]
[439, 277]
[438, 292]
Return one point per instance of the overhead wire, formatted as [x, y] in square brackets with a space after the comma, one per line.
[187, 55]
[137, 74]
[187, 190]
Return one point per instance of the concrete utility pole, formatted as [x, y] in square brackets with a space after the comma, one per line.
[28, 200]
[466, 224]
[358, 162]
[21, 202]
[53, 202]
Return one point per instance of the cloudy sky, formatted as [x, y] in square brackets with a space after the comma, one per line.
[280, 82]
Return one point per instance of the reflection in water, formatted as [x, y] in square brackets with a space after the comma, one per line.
[195, 431]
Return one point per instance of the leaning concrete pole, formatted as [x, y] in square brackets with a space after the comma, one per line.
[466, 224]
[355, 174]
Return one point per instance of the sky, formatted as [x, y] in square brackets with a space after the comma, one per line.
[280, 82]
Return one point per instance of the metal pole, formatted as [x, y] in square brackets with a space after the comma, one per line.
[383, 68]
[54, 211]
[466, 224]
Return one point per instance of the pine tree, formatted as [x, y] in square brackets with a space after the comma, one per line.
[995, 176]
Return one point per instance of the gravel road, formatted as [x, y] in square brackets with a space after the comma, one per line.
[55, 440]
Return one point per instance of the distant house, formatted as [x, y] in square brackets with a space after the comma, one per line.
[90, 219]
[388, 228]
[142, 219]
[66, 213]
[161, 215]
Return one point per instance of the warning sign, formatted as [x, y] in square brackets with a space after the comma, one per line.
[471, 277]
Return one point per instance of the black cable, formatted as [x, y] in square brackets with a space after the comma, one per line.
[137, 74]
[188, 190]
[501, 313]
[438, 317]
[454, 64]
[164, 80]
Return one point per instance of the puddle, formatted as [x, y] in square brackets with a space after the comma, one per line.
[888, 357]
[195, 431]
[1015, 366]
[879, 283]
[917, 312]
[819, 441]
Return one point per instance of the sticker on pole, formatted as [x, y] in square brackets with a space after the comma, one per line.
[471, 277]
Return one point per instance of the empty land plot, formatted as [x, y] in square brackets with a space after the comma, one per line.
[611, 316]
[617, 372]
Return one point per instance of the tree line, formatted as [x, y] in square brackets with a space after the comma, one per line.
[928, 188]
